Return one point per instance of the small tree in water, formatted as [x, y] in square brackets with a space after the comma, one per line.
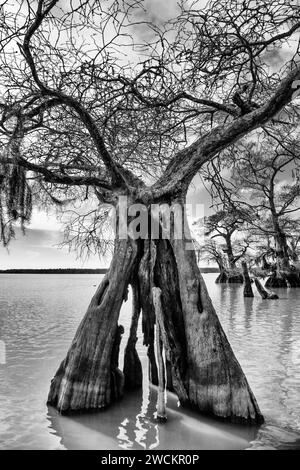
[224, 225]
[268, 172]
[98, 100]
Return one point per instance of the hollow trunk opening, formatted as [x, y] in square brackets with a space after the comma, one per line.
[133, 373]
[145, 279]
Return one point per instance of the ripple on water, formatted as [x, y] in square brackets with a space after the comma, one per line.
[38, 319]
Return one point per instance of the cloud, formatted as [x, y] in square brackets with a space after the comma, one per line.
[38, 249]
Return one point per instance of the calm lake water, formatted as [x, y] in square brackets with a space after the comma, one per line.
[39, 315]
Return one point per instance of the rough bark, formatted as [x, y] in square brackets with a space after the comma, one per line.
[132, 365]
[263, 292]
[201, 365]
[214, 380]
[248, 292]
[84, 379]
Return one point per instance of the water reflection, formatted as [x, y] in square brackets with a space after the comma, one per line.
[125, 425]
[130, 424]
[38, 318]
[265, 337]
[248, 312]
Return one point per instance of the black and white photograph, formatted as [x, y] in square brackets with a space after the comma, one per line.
[149, 228]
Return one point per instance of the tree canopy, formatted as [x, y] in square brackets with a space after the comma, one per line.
[97, 98]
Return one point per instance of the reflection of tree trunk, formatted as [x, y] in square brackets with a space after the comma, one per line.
[248, 292]
[201, 364]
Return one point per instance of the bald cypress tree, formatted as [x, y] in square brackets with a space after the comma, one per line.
[103, 107]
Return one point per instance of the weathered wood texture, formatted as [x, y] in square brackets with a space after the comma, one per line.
[83, 380]
[215, 382]
[201, 366]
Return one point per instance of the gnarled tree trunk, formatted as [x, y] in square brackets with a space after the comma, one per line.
[201, 366]
[88, 378]
[214, 380]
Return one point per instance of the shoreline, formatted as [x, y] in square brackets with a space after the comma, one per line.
[77, 271]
